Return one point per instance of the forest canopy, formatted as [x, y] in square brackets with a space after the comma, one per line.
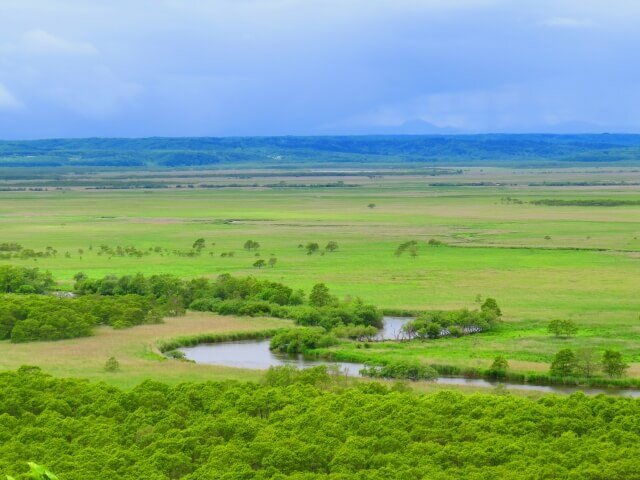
[302, 425]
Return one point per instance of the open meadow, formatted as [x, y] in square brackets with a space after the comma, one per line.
[540, 261]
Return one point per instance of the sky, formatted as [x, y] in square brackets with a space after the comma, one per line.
[138, 68]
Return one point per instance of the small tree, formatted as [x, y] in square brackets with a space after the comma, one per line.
[112, 365]
[372, 205]
[311, 248]
[198, 244]
[251, 245]
[273, 261]
[490, 305]
[562, 328]
[587, 362]
[319, 296]
[613, 364]
[499, 367]
[331, 246]
[259, 263]
[564, 363]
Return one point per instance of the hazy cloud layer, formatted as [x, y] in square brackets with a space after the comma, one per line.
[261, 67]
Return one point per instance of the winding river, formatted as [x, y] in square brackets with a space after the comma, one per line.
[255, 354]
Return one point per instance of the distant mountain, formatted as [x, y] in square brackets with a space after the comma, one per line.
[411, 127]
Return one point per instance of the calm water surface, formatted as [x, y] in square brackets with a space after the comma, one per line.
[255, 354]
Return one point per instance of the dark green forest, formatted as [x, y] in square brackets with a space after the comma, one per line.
[306, 425]
[469, 150]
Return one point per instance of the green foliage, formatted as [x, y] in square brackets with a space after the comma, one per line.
[356, 332]
[166, 346]
[601, 202]
[37, 472]
[24, 280]
[259, 263]
[613, 363]
[320, 296]
[562, 328]
[455, 323]
[403, 370]
[301, 340]
[499, 367]
[198, 245]
[176, 355]
[112, 365]
[248, 296]
[491, 305]
[331, 246]
[411, 246]
[297, 425]
[587, 362]
[311, 248]
[565, 363]
[28, 318]
[250, 245]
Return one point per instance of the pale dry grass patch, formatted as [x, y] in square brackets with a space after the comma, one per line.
[135, 349]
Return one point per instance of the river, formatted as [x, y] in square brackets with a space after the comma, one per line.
[255, 355]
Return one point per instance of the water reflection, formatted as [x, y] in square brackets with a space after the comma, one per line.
[255, 354]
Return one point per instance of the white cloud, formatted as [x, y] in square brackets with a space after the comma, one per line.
[42, 42]
[7, 100]
[567, 22]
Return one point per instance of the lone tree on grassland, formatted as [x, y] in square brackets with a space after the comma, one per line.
[251, 245]
[411, 245]
[331, 246]
[311, 248]
[562, 328]
[112, 365]
[198, 244]
[259, 263]
[273, 261]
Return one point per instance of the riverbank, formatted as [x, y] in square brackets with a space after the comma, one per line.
[251, 350]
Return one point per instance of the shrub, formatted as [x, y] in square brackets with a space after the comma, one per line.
[562, 328]
[301, 340]
[408, 370]
[112, 365]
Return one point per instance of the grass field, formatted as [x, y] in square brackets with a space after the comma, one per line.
[135, 349]
[540, 262]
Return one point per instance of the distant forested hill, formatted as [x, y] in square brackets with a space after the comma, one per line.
[481, 150]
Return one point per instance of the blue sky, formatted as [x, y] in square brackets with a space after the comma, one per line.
[78, 68]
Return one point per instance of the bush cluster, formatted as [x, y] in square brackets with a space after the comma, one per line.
[301, 340]
[403, 370]
[28, 318]
[24, 280]
[455, 322]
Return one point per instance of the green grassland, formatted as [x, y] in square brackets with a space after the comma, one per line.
[540, 262]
